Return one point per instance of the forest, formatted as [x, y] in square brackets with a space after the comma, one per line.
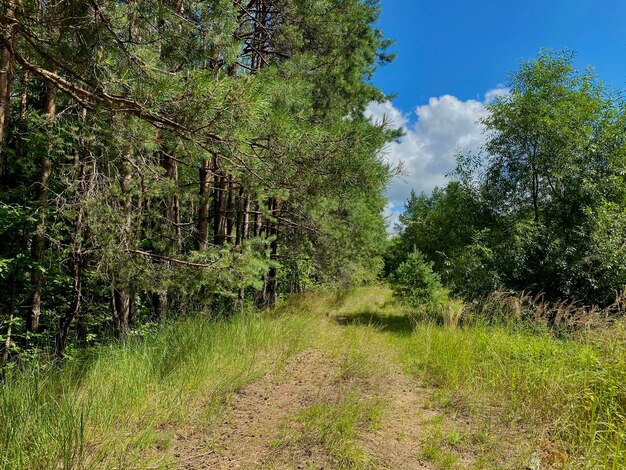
[196, 269]
[169, 156]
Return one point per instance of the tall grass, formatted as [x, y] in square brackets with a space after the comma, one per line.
[108, 409]
[548, 375]
[567, 384]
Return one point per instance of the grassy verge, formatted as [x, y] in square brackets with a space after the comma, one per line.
[505, 395]
[529, 394]
[106, 410]
[569, 394]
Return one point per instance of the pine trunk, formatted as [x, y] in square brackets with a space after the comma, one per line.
[121, 298]
[231, 210]
[121, 309]
[38, 246]
[203, 210]
[6, 75]
[271, 283]
[219, 203]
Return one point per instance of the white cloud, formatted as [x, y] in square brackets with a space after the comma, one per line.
[444, 127]
[499, 92]
[392, 216]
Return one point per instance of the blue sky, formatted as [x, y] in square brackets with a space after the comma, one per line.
[454, 55]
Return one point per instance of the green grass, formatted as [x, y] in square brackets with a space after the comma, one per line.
[335, 426]
[520, 391]
[565, 396]
[571, 392]
[106, 410]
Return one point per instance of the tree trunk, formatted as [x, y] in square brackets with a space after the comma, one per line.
[231, 210]
[246, 218]
[7, 343]
[159, 305]
[121, 298]
[203, 210]
[6, 73]
[257, 221]
[219, 203]
[536, 195]
[173, 202]
[271, 283]
[121, 309]
[243, 209]
[39, 238]
[38, 247]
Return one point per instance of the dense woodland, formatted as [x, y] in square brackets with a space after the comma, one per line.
[169, 156]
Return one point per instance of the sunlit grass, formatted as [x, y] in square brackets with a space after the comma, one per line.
[109, 408]
[119, 406]
[335, 427]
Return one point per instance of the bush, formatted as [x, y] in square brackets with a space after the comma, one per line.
[416, 284]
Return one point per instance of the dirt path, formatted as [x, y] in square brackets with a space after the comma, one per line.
[299, 415]
[255, 422]
[257, 414]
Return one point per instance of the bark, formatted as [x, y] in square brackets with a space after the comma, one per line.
[50, 103]
[266, 296]
[24, 98]
[246, 218]
[257, 222]
[121, 307]
[219, 204]
[203, 210]
[121, 298]
[7, 343]
[159, 305]
[243, 209]
[535, 190]
[6, 73]
[230, 210]
[271, 284]
[173, 202]
[38, 246]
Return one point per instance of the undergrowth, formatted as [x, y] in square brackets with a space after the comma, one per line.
[105, 410]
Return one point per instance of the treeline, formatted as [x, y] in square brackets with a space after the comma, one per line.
[542, 209]
[165, 156]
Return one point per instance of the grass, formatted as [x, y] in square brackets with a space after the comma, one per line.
[570, 392]
[502, 393]
[335, 427]
[105, 410]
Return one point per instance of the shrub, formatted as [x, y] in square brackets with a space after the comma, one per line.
[416, 284]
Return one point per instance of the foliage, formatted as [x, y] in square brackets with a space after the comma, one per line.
[531, 213]
[159, 157]
[416, 284]
[414, 281]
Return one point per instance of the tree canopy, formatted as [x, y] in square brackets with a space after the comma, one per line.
[541, 209]
[165, 156]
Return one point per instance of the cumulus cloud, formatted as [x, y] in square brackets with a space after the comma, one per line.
[434, 136]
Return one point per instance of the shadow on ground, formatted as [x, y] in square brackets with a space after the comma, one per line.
[398, 324]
